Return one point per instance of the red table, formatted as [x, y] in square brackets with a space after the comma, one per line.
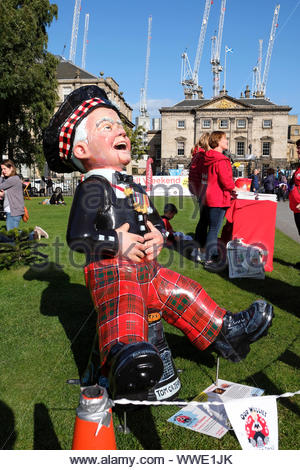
[254, 222]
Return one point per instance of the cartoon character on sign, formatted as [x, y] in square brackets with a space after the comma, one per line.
[187, 420]
[183, 419]
[257, 430]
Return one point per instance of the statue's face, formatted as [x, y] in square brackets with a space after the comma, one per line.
[108, 143]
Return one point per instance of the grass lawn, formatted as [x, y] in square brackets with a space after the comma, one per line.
[47, 325]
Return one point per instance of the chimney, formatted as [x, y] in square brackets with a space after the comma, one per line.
[247, 92]
[200, 93]
[188, 94]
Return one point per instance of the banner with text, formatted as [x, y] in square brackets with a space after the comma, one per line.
[166, 185]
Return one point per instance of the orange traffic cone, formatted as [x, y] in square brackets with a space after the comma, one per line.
[94, 428]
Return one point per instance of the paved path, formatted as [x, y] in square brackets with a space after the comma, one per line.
[285, 221]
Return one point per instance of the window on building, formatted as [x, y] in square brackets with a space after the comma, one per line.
[241, 123]
[66, 91]
[224, 124]
[266, 149]
[240, 148]
[180, 149]
[267, 123]
[206, 123]
[181, 124]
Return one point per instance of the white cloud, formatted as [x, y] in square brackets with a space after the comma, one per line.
[153, 106]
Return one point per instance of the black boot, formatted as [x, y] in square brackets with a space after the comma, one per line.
[133, 368]
[241, 329]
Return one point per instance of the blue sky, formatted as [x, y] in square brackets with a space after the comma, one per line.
[117, 43]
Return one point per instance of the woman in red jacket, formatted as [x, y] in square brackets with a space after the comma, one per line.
[197, 186]
[294, 195]
[220, 186]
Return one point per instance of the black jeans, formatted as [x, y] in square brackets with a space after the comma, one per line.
[215, 216]
[297, 220]
[202, 226]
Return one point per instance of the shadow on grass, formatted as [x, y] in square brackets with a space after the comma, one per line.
[8, 433]
[141, 424]
[275, 291]
[272, 389]
[139, 419]
[44, 435]
[181, 347]
[290, 358]
[72, 304]
[183, 247]
[286, 263]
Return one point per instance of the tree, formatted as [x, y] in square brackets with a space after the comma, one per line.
[27, 78]
[138, 147]
[21, 251]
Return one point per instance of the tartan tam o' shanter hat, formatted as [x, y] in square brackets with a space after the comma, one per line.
[59, 135]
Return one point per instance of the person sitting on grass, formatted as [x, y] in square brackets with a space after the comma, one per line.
[57, 197]
[36, 234]
[170, 210]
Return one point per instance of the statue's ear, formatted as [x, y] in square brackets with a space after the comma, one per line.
[81, 150]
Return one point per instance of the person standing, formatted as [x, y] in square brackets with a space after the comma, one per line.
[282, 187]
[13, 194]
[198, 184]
[255, 181]
[269, 181]
[49, 185]
[12, 186]
[220, 185]
[294, 195]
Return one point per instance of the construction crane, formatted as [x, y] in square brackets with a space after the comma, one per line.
[256, 82]
[85, 40]
[63, 51]
[270, 48]
[216, 42]
[189, 77]
[143, 96]
[74, 35]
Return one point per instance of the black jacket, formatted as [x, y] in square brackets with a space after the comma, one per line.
[95, 214]
[269, 183]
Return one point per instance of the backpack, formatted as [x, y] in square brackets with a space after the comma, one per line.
[25, 216]
[195, 172]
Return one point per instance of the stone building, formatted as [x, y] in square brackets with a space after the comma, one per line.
[256, 128]
[293, 136]
[70, 77]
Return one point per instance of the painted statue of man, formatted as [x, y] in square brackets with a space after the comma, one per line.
[115, 224]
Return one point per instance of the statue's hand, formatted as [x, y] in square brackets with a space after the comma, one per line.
[153, 242]
[131, 246]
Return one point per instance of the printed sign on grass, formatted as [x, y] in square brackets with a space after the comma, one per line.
[255, 422]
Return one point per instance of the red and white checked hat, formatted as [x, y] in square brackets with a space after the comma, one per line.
[59, 135]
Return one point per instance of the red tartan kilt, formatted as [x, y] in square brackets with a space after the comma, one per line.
[123, 292]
